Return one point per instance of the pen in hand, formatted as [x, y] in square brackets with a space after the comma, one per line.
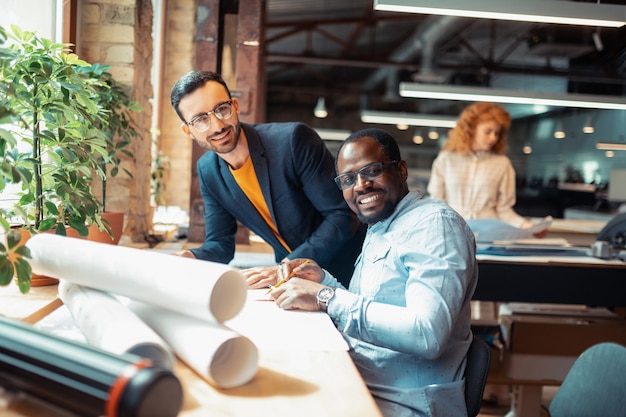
[285, 279]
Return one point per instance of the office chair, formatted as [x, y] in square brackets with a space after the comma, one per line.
[476, 371]
[595, 385]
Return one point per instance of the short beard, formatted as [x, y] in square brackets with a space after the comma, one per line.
[378, 216]
[236, 133]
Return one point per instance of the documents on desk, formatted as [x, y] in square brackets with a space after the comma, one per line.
[205, 290]
[491, 230]
[283, 360]
[185, 303]
[273, 329]
[540, 254]
[107, 324]
[224, 351]
[191, 299]
[591, 227]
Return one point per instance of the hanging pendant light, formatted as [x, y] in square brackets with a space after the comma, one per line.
[418, 139]
[320, 108]
[588, 126]
[559, 132]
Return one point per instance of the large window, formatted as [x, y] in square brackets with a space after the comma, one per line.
[47, 21]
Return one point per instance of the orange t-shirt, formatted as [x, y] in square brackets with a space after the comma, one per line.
[249, 183]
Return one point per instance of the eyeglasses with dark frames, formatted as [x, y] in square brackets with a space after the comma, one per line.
[369, 172]
[202, 122]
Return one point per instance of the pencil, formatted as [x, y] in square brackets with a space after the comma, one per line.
[287, 278]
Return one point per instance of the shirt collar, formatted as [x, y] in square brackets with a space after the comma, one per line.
[406, 201]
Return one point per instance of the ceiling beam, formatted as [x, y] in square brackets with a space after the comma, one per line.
[490, 68]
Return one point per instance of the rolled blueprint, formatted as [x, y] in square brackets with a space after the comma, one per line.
[220, 355]
[110, 325]
[201, 289]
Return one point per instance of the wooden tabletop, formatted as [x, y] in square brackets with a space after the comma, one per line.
[31, 307]
[296, 383]
[303, 383]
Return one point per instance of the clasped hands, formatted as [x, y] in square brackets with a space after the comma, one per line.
[301, 282]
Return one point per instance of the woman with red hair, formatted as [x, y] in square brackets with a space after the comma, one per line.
[472, 173]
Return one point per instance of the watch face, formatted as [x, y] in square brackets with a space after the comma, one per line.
[326, 294]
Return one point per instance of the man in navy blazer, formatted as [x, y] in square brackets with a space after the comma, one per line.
[275, 178]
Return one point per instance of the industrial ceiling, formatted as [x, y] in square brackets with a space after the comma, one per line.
[356, 57]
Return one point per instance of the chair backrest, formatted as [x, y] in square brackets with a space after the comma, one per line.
[476, 372]
[595, 385]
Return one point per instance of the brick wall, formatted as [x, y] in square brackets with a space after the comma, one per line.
[119, 33]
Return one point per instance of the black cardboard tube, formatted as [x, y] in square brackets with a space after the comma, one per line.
[84, 379]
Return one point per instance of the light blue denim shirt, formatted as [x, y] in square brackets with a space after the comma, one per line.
[406, 315]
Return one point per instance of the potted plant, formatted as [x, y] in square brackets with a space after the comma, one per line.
[53, 109]
[117, 123]
[13, 256]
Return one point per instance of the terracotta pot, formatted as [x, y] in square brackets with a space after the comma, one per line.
[36, 279]
[116, 221]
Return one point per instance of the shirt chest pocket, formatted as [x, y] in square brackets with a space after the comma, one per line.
[375, 269]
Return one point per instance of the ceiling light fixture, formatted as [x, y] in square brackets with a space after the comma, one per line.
[559, 132]
[588, 126]
[461, 93]
[609, 146]
[418, 139]
[597, 40]
[320, 108]
[411, 119]
[540, 11]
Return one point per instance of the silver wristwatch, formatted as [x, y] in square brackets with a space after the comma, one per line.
[324, 295]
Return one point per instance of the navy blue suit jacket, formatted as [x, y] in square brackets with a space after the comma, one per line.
[295, 171]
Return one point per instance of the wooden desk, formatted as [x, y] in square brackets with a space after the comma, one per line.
[30, 308]
[598, 285]
[576, 232]
[312, 383]
[301, 383]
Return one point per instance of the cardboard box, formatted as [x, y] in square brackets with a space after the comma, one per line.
[543, 341]
[525, 369]
[558, 330]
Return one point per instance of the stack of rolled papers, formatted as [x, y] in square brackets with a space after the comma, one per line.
[128, 300]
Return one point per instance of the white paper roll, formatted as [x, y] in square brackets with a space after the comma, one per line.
[109, 325]
[225, 358]
[201, 289]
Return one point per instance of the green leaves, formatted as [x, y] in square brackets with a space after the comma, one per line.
[13, 262]
[70, 118]
[56, 101]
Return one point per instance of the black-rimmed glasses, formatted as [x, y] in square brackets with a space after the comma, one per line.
[202, 122]
[369, 172]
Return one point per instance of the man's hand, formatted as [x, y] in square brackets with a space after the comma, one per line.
[304, 268]
[297, 294]
[267, 276]
[261, 276]
[185, 254]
